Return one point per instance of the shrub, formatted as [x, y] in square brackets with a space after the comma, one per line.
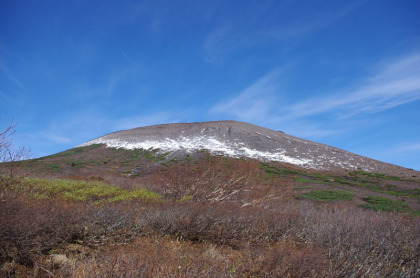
[10, 158]
[327, 195]
[384, 204]
[217, 179]
[195, 239]
[82, 190]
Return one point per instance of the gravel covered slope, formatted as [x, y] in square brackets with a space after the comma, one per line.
[239, 139]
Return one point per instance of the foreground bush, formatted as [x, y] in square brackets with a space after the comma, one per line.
[81, 190]
[327, 195]
[47, 237]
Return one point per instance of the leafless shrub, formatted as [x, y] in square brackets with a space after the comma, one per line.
[214, 178]
[10, 157]
[286, 259]
[353, 242]
[32, 227]
[255, 232]
[219, 223]
[112, 224]
[361, 243]
[217, 179]
[189, 239]
[147, 257]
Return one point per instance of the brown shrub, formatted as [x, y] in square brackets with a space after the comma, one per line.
[31, 227]
[218, 179]
[10, 156]
[148, 257]
[361, 243]
[206, 238]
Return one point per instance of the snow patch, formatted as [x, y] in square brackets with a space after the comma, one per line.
[211, 144]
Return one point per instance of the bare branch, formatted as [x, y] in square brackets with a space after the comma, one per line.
[10, 157]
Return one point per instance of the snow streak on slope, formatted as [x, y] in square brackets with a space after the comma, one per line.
[238, 139]
[212, 144]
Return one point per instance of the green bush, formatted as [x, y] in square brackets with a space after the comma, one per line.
[82, 190]
[75, 150]
[327, 195]
[53, 167]
[384, 204]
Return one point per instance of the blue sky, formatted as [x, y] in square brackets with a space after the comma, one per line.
[343, 73]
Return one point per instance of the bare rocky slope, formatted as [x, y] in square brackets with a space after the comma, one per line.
[239, 139]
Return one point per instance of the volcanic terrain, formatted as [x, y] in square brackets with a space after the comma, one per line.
[239, 139]
[210, 199]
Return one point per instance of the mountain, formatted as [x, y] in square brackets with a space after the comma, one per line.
[239, 139]
[130, 196]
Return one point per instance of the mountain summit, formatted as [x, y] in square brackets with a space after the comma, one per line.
[239, 139]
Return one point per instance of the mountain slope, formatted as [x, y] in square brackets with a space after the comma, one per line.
[211, 210]
[239, 139]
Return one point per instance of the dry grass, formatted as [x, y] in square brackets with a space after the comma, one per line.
[218, 218]
[192, 239]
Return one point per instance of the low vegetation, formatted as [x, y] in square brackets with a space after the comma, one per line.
[73, 151]
[373, 182]
[327, 195]
[124, 214]
[384, 204]
[81, 190]
[68, 238]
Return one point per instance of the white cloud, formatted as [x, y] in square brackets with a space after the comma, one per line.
[380, 92]
[57, 139]
[116, 78]
[138, 121]
[253, 103]
[401, 153]
[87, 125]
[128, 58]
[217, 43]
[9, 75]
[69, 131]
[5, 98]
[407, 147]
[396, 84]
[307, 129]
[234, 35]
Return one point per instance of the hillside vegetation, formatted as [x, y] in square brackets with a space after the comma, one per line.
[103, 212]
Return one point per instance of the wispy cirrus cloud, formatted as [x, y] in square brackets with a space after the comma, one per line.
[230, 36]
[57, 139]
[145, 120]
[406, 147]
[92, 124]
[310, 23]
[403, 153]
[60, 134]
[398, 83]
[395, 84]
[217, 43]
[128, 58]
[9, 75]
[5, 98]
[253, 103]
